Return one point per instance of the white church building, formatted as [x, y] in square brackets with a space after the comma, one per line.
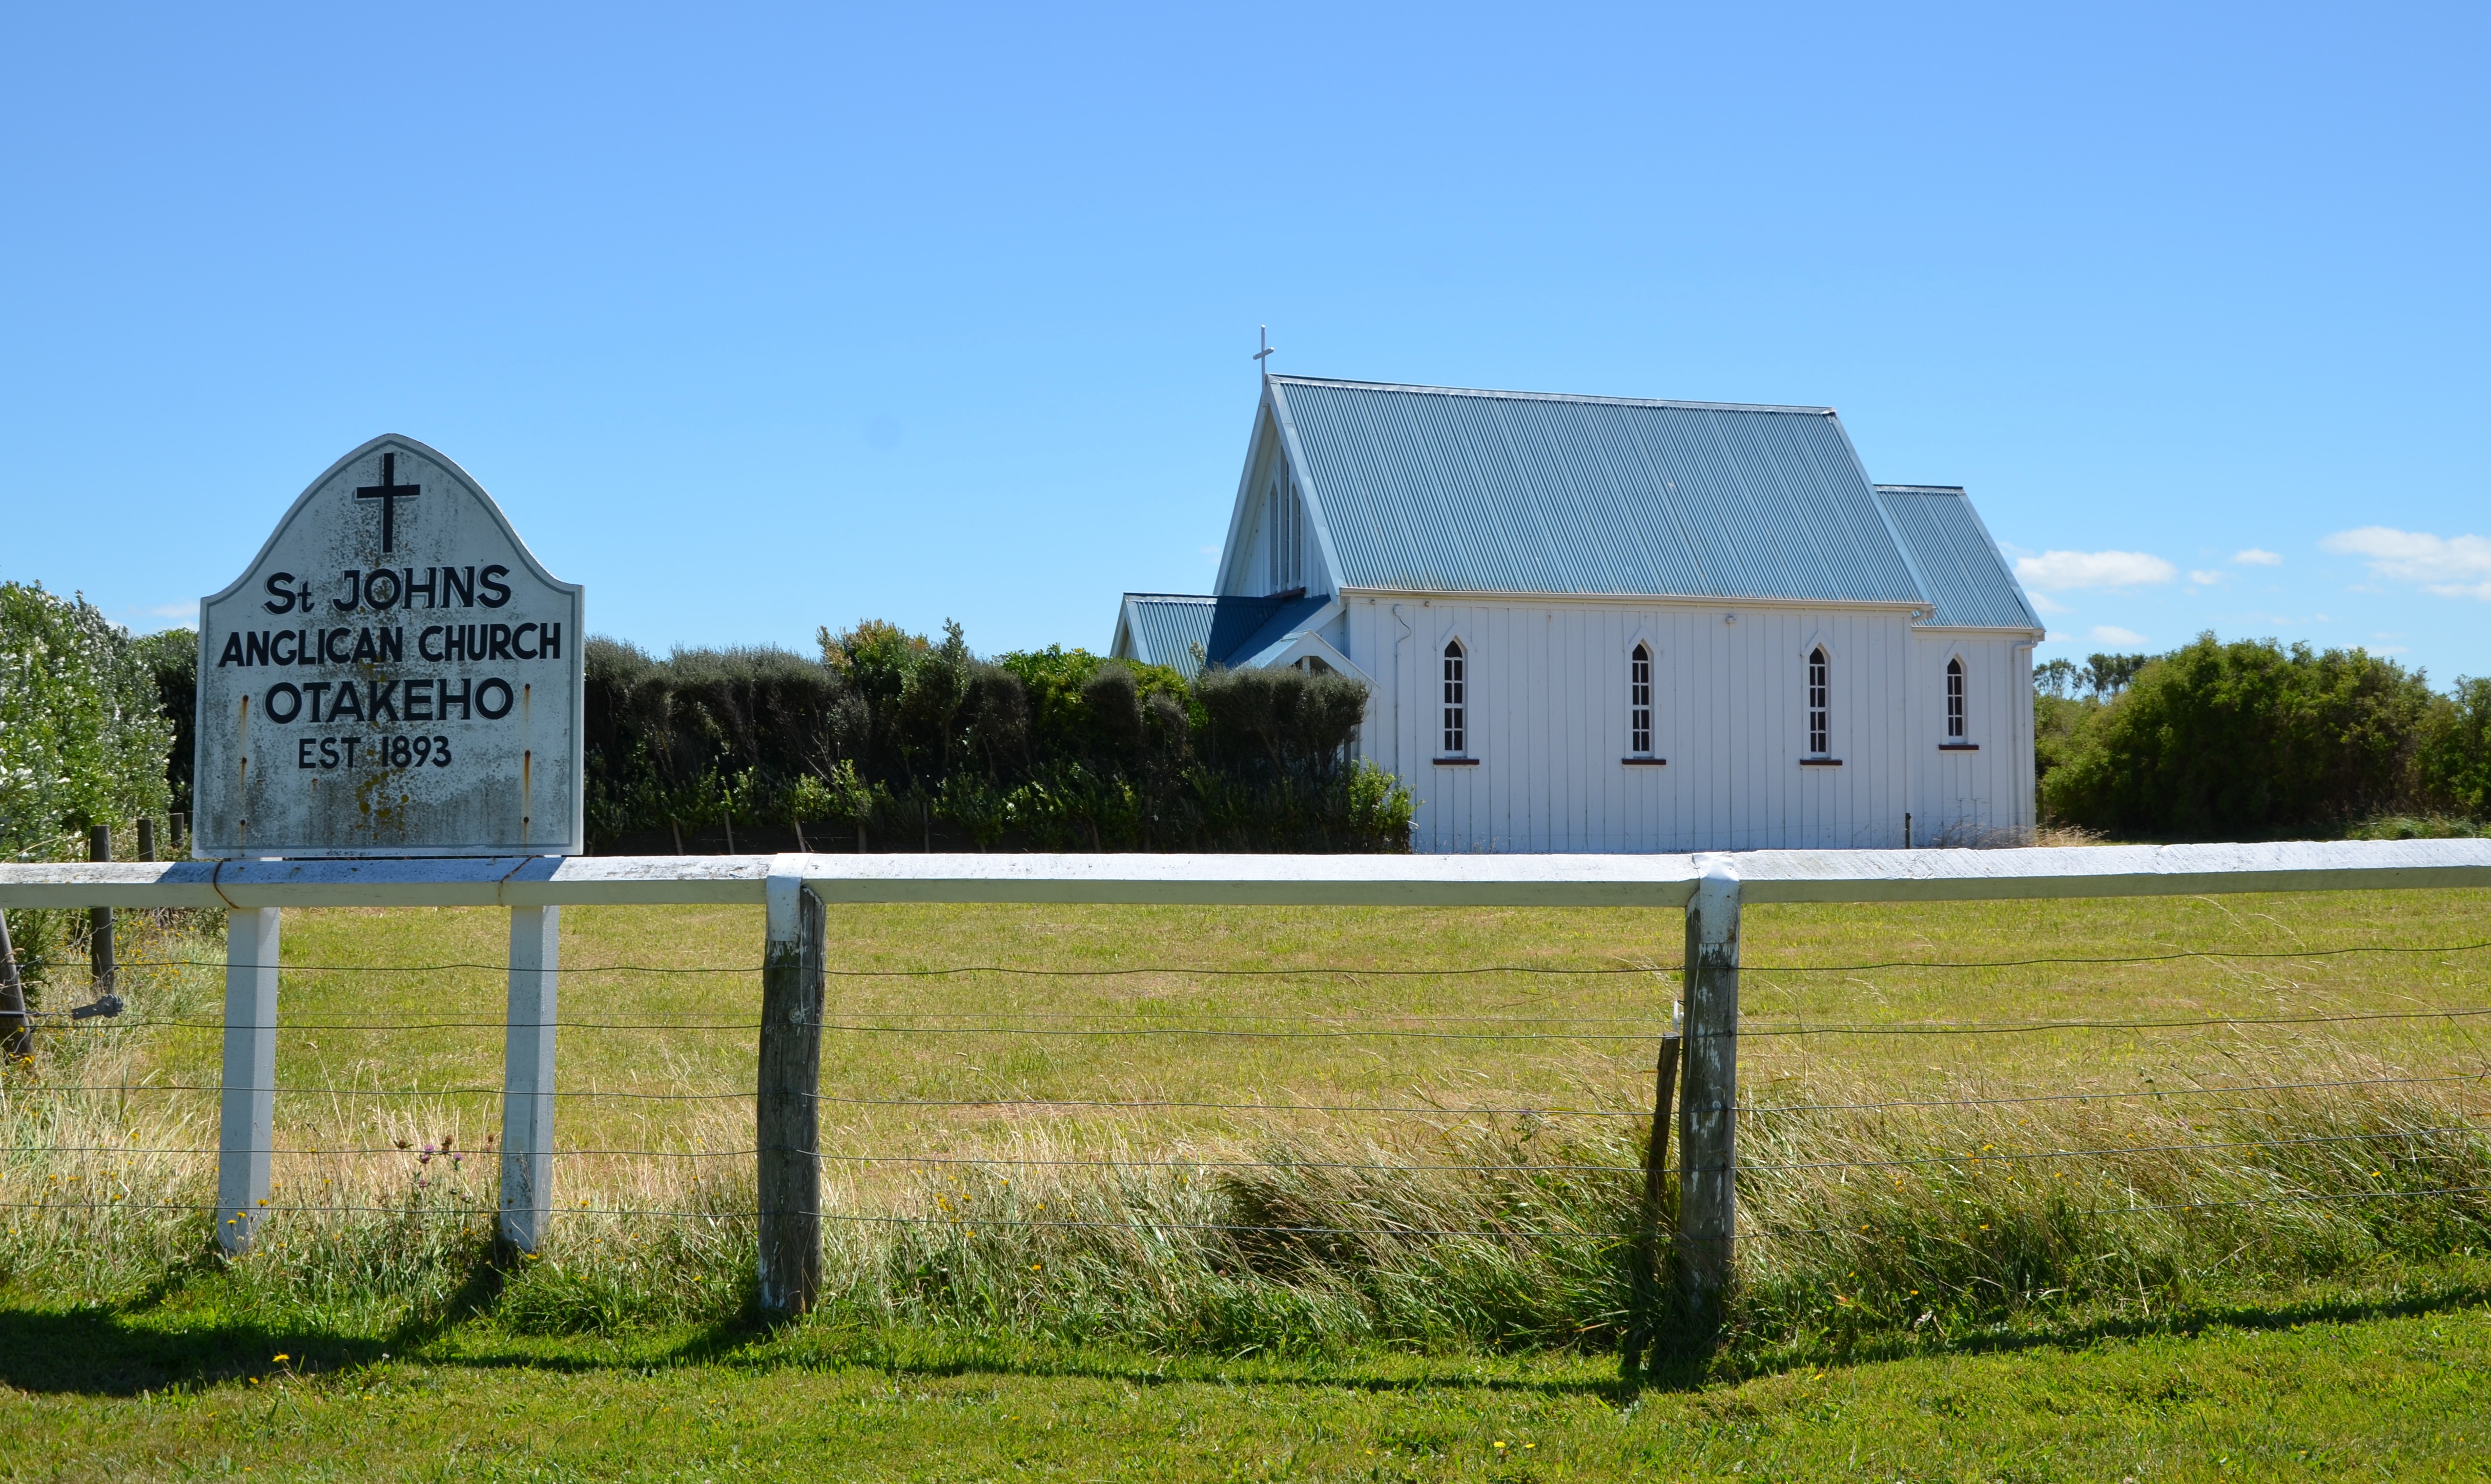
[1604, 624]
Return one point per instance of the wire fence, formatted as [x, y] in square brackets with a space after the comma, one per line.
[1495, 1105]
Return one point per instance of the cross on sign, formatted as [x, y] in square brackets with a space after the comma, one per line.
[388, 492]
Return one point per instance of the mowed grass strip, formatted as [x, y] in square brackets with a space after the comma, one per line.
[2313, 1397]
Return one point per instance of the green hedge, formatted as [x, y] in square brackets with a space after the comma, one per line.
[889, 740]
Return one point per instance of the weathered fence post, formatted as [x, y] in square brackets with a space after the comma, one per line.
[1643, 1326]
[249, 1105]
[18, 1039]
[787, 1118]
[527, 1077]
[1708, 1197]
[99, 847]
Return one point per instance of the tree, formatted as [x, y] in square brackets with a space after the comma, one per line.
[2243, 740]
[2456, 751]
[2107, 675]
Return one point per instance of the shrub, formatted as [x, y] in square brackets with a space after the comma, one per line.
[2245, 739]
[172, 659]
[83, 739]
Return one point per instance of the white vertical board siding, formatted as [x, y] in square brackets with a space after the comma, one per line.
[1982, 798]
[1548, 724]
[2028, 800]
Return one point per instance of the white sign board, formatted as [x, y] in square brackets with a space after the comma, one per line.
[394, 676]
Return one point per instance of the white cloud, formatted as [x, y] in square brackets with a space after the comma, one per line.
[2048, 606]
[2056, 637]
[2204, 580]
[2112, 634]
[149, 617]
[2059, 570]
[2252, 556]
[2451, 566]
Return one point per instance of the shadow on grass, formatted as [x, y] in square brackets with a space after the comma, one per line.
[143, 1344]
[2077, 1334]
[98, 1352]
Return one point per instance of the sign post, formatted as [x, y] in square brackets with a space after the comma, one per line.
[395, 675]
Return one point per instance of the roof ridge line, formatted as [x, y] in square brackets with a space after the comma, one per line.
[1792, 408]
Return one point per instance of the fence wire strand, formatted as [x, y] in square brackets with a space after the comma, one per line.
[1650, 1028]
[1208, 970]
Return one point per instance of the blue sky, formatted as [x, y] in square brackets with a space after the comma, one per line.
[757, 319]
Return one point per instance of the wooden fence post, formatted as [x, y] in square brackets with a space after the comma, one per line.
[17, 1028]
[1708, 1196]
[99, 847]
[527, 1078]
[787, 1115]
[1643, 1327]
[249, 1103]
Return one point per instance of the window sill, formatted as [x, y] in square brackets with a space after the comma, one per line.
[1457, 762]
[1958, 747]
[1643, 762]
[1820, 762]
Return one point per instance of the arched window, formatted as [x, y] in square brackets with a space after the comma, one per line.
[1954, 700]
[1639, 702]
[1287, 537]
[1457, 705]
[1820, 704]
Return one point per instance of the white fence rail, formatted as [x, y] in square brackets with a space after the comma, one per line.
[794, 889]
[1372, 880]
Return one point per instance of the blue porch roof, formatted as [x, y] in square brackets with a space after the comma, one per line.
[1188, 632]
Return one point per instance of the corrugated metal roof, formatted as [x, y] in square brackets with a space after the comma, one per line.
[1167, 627]
[1184, 631]
[1961, 568]
[1436, 488]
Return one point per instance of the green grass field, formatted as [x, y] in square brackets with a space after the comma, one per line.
[2238, 1281]
[2334, 1391]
